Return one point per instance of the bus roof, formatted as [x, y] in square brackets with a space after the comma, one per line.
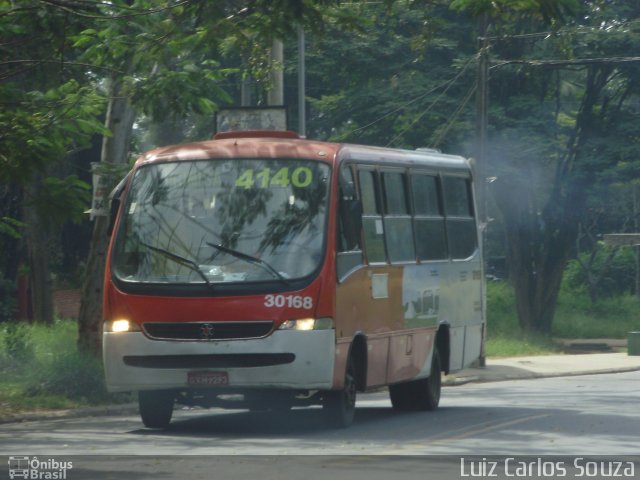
[265, 144]
[406, 158]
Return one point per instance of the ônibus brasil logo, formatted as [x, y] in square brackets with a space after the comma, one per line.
[37, 469]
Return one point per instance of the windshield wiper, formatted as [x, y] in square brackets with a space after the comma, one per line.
[180, 260]
[251, 259]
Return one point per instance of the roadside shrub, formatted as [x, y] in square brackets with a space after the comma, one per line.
[17, 347]
[502, 318]
[617, 274]
[578, 317]
[69, 374]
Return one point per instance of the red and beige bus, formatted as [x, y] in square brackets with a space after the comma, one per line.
[259, 270]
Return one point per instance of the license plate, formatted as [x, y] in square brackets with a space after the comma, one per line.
[207, 379]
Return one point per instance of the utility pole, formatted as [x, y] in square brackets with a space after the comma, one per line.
[482, 100]
[302, 113]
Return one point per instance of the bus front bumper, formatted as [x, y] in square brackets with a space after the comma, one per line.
[299, 360]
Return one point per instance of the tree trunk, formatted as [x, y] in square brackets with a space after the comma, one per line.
[119, 121]
[538, 248]
[38, 246]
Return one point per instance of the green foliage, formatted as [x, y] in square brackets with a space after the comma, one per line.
[40, 367]
[549, 10]
[17, 347]
[579, 317]
[576, 318]
[505, 337]
[69, 374]
[38, 127]
[11, 227]
[402, 79]
[61, 199]
[617, 276]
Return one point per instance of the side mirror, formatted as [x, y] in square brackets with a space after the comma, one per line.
[115, 204]
[113, 214]
[347, 187]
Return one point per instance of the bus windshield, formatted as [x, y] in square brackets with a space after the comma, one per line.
[221, 221]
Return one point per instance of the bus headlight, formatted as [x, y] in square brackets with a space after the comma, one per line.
[121, 325]
[307, 324]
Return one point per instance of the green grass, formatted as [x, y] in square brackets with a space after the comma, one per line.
[40, 368]
[576, 318]
[505, 338]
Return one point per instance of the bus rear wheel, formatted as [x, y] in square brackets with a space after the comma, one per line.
[340, 405]
[156, 408]
[423, 394]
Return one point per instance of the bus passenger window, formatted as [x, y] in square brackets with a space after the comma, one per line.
[397, 221]
[371, 219]
[425, 195]
[457, 198]
[431, 241]
[461, 225]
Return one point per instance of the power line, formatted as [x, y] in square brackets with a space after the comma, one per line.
[610, 30]
[454, 116]
[575, 61]
[446, 84]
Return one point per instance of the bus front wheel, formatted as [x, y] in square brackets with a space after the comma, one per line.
[340, 405]
[156, 408]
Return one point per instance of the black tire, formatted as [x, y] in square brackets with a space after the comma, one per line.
[429, 391]
[423, 394]
[340, 405]
[401, 396]
[156, 408]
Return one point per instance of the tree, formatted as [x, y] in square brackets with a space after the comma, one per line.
[404, 79]
[553, 161]
[46, 114]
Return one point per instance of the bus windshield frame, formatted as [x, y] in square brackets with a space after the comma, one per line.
[227, 226]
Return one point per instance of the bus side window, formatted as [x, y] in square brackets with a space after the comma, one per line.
[372, 225]
[431, 240]
[349, 255]
[461, 225]
[398, 227]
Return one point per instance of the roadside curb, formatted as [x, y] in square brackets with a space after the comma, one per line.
[100, 411]
[454, 381]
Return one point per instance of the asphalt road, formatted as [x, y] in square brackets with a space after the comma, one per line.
[566, 416]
